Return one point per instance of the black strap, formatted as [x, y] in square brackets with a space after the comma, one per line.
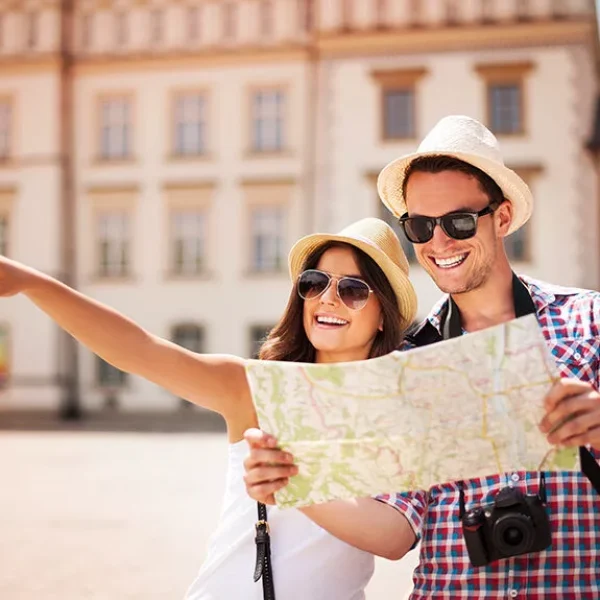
[523, 306]
[590, 467]
[263, 566]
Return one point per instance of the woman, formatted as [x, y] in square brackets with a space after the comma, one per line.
[351, 300]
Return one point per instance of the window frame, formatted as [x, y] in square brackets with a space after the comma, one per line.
[404, 80]
[506, 74]
[282, 118]
[128, 136]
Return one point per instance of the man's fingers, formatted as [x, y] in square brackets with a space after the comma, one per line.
[574, 427]
[568, 409]
[257, 438]
[564, 388]
[590, 437]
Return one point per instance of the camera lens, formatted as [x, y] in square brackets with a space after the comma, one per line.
[513, 534]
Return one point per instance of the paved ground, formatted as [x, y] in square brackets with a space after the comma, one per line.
[99, 512]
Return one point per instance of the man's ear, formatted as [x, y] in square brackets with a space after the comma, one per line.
[504, 215]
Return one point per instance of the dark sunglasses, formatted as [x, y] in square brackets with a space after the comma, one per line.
[353, 292]
[457, 225]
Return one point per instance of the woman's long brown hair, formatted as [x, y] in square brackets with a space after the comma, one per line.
[288, 341]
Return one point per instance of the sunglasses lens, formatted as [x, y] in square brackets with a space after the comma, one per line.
[353, 293]
[312, 284]
[459, 226]
[418, 229]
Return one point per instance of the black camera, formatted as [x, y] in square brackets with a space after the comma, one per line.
[513, 524]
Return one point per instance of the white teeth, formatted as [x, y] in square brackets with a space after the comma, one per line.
[331, 321]
[450, 262]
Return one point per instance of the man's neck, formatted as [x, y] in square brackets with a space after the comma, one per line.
[488, 305]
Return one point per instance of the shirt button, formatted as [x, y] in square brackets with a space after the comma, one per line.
[577, 356]
[513, 593]
[515, 478]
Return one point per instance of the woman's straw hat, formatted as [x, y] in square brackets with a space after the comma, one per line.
[376, 239]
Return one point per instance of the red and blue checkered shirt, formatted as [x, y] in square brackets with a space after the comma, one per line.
[570, 567]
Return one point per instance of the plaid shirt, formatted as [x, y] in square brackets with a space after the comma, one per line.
[570, 567]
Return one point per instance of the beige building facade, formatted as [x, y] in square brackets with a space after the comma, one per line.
[206, 136]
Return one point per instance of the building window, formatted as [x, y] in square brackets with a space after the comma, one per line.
[87, 30]
[190, 124]
[392, 221]
[113, 244]
[398, 114]
[559, 9]
[193, 23]
[398, 103]
[156, 26]
[305, 15]
[268, 240]
[347, 17]
[189, 336]
[487, 11]
[258, 335]
[381, 13]
[415, 12]
[115, 136]
[266, 18]
[517, 244]
[108, 376]
[229, 20]
[3, 235]
[5, 128]
[505, 96]
[523, 10]
[32, 29]
[4, 356]
[452, 14]
[188, 234]
[268, 121]
[121, 29]
[505, 105]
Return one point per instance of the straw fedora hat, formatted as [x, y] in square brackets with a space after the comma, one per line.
[376, 239]
[470, 141]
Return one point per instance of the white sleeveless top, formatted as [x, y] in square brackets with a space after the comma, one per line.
[307, 561]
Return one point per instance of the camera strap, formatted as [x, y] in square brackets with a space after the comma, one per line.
[524, 305]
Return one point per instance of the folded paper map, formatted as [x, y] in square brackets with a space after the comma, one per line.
[458, 409]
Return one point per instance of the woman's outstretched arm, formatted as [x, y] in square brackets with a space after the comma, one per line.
[216, 382]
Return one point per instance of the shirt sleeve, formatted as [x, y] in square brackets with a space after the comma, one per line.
[412, 505]
[596, 330]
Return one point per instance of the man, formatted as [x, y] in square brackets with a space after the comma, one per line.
[456, 202]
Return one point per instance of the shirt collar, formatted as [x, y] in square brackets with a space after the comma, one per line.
[543, 295]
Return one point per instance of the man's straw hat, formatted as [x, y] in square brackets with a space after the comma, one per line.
[470, 141]
[376, 239]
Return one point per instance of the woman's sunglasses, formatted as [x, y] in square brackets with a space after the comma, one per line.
[353, 292]
[457, 225]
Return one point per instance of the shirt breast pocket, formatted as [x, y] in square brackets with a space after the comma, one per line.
[578, 357]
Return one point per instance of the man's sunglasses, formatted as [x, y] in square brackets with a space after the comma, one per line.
[353, 292]
[457, 225]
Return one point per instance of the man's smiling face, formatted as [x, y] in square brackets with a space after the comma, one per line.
[456, 266]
